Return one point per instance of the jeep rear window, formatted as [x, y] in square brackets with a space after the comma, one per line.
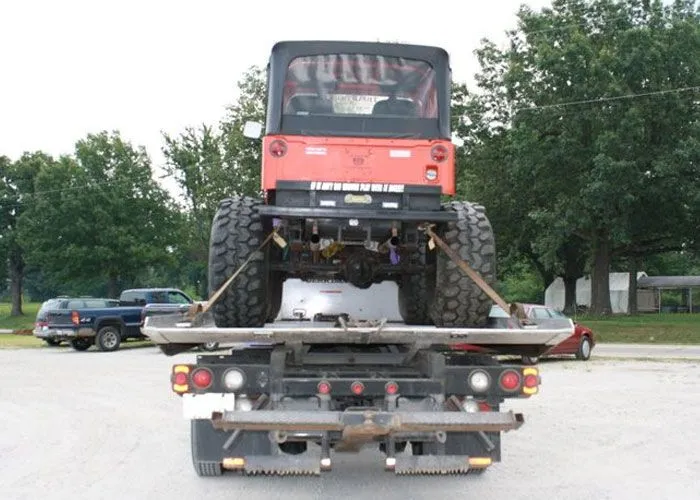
[355, 84]
[373, 94]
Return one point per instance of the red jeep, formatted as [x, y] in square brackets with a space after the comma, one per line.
[357, 156]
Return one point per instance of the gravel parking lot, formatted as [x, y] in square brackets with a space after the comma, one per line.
[105, 425]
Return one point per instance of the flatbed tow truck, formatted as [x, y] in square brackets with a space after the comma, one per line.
[355, 161]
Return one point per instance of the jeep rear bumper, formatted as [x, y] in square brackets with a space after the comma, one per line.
[360, 214]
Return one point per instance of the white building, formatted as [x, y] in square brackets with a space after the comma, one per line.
[619, 294]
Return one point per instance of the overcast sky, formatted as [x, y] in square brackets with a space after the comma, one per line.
[72, 67]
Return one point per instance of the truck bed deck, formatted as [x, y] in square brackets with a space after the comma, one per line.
[531, 340]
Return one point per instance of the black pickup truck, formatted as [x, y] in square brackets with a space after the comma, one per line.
[108, 327]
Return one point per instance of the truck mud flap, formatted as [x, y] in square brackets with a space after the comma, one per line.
[367, 424]
[281, 465]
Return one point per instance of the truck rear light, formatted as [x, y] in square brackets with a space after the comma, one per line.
[324, 387]
[75, 317]
[431, 173]
[234, 379]
[278, 148]
[510, 380]
[202, 378]
[357, 388]
[439, 153]
[531, 379]
[180, 378]
[391, 388]
[479, 381]
[470, 405]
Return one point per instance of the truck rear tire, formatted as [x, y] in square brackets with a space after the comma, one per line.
[108, 338]
[236, 234]
[416, 290]
[457, 300]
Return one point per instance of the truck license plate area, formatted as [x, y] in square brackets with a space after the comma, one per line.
[201, 406]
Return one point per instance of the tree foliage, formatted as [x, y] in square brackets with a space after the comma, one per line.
[211, 164]
[99, 214]
[588, 120]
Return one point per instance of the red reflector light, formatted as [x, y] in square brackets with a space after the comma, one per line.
[510, 380]
[180, 379]
[278, 148]
[531, 381]
[391, 388]
[201, 378]
[357, 388]
[438, 153]
[324, 387]
[75, 317]
[484, 406]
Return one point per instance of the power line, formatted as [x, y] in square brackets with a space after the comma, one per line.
[607, 99]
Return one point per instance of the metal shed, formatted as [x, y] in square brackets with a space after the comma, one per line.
[683, 283]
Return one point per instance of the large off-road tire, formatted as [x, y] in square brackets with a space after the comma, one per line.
[416, 290]
[458, 301]
[237, 232]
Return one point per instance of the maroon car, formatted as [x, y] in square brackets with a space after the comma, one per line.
[580, 344]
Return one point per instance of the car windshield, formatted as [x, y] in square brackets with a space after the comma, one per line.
[497, 312]
[372, 94]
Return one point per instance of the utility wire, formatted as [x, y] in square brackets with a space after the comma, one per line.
[608, 99]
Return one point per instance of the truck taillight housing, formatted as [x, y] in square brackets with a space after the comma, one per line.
[180, 378]
[510, 380]
[439, 153]
[278, 148]
[202, 378]
[531, 381]
[75, 317]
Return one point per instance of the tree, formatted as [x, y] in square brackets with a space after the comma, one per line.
[17, 196]
[99, 215]
[592, 115]
[242, 155]
[211, 164]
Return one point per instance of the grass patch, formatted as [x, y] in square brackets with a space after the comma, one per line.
[653, 328]
[18, 322]
[10, 341]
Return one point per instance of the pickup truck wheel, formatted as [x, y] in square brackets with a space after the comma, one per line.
[210, 346]
[529, 360]
[458, 301]
[236, 234]
[108, 338]
[81, 344]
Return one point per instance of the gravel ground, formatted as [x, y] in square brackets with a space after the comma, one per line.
[105, 425]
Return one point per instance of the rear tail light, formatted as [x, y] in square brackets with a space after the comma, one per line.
[531, 381]
[75, 317]
[510, 380]
[278, 148]
[391, 388]
[180, 378]
[357, 388]
[431, 173]
[202, 378]
[439, 153]
[324, 387]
